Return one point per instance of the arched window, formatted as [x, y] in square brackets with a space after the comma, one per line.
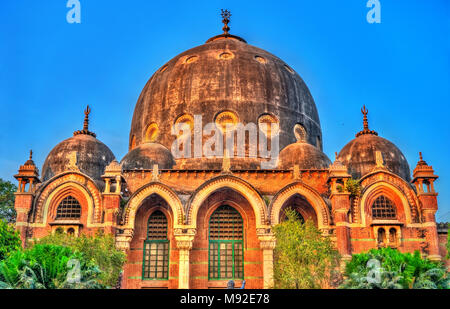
[392, 236]
[381, 237]
[226, 244]
[68, 209]
[383, 208]
[156, 248]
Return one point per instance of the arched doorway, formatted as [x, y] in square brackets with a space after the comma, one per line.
[226, 246]
[301, 206]
[151, 258]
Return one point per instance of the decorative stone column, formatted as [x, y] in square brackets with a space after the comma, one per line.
[111, 199]
[424, 174]
[184, 239]
[267, 244]
[340, 204]
[123, 239]
[28, 174]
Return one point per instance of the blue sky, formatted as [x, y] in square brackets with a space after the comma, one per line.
[400, 69]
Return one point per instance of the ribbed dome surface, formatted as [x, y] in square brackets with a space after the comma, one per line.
[304, 155]
[360, 158]
[89, 154]
[225, 75]
[146, 155]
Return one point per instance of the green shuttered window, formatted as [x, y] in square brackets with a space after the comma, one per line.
[226, 237]
[156, 248]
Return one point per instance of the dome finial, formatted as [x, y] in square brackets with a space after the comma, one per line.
[225, 19]
[366, 130]
[87, 111]
[31, 154]
[365, 121]
[421, 161]
[85, 130]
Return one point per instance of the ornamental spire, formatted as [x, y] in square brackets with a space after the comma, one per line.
[421, 161]
[87, 111]
[85, 130]
[226, 20]
[366, 130]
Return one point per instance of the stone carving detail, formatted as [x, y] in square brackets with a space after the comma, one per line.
[400, 184]
[231, 182]
[317, 203]
[78, 179]
[165, 192]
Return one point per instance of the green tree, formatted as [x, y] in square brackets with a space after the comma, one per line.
[388, 268]
[48, 267]
[9, 239]
[7, 211]
[303, 258]
[99, 248]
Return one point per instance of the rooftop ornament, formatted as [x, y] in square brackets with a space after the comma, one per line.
[85, 130]
[226, 20]
[366, 130]
[226, 35]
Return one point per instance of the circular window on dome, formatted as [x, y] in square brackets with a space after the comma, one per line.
[191, 59]
[226, 56]
[227, 121]
[184, 119]
[260, 59]
[269, 124]
[152, 133]
[289, 69]
[300, 132]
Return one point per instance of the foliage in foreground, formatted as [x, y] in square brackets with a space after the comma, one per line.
[99, 248]
[9, 240]
[387, 268]
[303, 258]
[7, 211]
[48, 267]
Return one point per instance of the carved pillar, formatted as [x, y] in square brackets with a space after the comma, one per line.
[184, 239]
[123, 239]
[424, 173]
[267, 244]
[340, 203]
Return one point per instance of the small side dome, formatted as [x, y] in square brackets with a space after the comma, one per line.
[359, 155]
[146, 155]
[82, 152]
[305, 155]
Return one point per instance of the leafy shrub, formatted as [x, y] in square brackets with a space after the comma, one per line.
[99, 248]
[48, 267]
[303, 258]
[9, 239]
[396, 270]
[353, 186]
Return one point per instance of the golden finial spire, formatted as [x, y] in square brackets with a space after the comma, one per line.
[226, 20]
[364, 111]
[366, 130]
[421, 161]
[85, 130]
[31, 154]
[87, 111]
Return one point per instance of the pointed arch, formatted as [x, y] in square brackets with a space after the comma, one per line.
[311, 195]
[390, 191]
[231, 182]
[164, 192]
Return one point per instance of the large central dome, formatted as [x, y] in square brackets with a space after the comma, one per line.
[224, 75]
